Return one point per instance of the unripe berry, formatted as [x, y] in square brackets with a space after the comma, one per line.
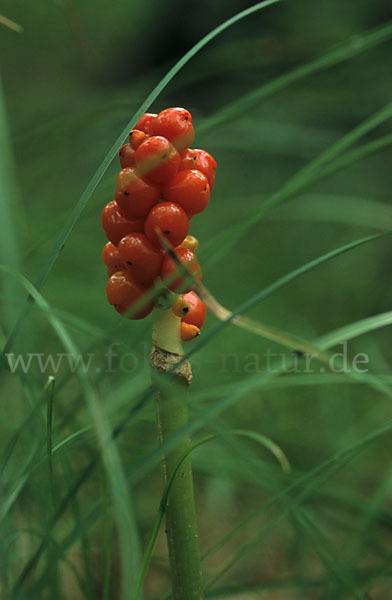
[117, 224]
[180, 307]
[170, 219]
[123, 293]
[175, 124]
[190, 242]
[135, 195]
[144, 260]
[200, 160]
[169, 268]
[157, 159]
[189, 189]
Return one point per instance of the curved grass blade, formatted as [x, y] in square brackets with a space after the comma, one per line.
[15, 437]
[344, 51]
[266, 292]
[261, 439]
[136, 409]
[119, 490]
[348, 332]
[309, 175]
[49, 388]
[9, 193]
[212, 411]
[351, 210]
[306, 483]
[299, 584]
[98, 175]
[337, 567]
[10, 24]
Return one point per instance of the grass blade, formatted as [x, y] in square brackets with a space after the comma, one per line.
[98, 175]
[345, 51]
[116, 477]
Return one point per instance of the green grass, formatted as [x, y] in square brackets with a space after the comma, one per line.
[293, 101]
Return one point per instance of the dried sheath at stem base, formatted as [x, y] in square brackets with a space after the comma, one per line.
[163, 361]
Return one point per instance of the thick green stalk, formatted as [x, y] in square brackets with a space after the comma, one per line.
[172, 415]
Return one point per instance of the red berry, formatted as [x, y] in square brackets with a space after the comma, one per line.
[145, 121]
[170, 219]
[116, 224]
[189, 332]
[112, 259]
[144, 260]
[197, 313]
[200, 160]
[135, 195]
[123, 292]
[189, 189]
[157, 159]
[175, 124]
[136, 137]
[169, 267]
[126, 155]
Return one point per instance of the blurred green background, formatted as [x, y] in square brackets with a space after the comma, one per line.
[72, 78]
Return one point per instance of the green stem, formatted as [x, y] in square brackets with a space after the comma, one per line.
[172, 415]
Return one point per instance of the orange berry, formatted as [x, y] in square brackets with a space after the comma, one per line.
[175, 124]
[157, 159]
[200, 160]
[144, 260]
[169, 267]
[126, 155]
[189, 332]
[197, 313]
[189, 189]
[135, 195]
[123, 292]
[117, 224]
[170, 220]
[136, 137]
[145, 121]
[112, 259]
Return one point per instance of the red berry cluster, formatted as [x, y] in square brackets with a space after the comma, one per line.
[162, 184]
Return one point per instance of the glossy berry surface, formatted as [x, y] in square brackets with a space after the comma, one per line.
[134, 195]
[200, 160]
[175, 124]
[112, 259]
[157, 159]
[126, 154]
[189, 332]
[189, 189]
[162, 185]
[116, 224]
[170, 219]
[136, 137]
[169, 268]
[145, 122]
[123, 292]
[143, 259]
[197, 313]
